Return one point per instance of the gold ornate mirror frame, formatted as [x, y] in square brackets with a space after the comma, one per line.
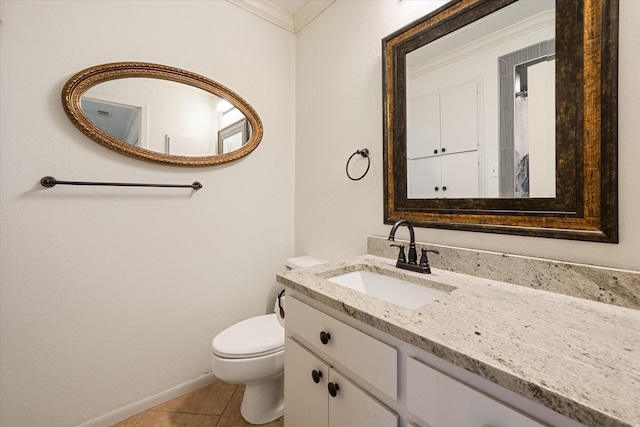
[77, 85]
[586, 202]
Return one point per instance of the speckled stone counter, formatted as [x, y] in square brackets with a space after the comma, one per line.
[578, 357]
[603, 284]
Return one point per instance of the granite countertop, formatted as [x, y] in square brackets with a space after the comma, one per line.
[578, 357]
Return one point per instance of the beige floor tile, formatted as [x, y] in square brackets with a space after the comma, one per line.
[233, 408]
[129, 422]
[211, 400]
[277, 423]
[176, 419]
[240, 422]
[232, 417]
[200, 408]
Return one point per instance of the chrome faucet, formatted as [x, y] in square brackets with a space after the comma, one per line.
[412, 264]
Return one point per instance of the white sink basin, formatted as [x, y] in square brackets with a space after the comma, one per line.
[390, 289]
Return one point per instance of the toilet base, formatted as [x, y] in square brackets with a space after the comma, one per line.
[263, 402]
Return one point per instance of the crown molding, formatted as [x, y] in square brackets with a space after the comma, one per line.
[309, 12]
[542, 20]
[290, 22]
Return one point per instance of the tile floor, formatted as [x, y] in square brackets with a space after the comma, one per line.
[215, 405]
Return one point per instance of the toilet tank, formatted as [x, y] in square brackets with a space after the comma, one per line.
[302, 262]
[293, 264]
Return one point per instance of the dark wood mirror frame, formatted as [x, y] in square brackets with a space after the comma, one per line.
[84, 80]
[586, 203]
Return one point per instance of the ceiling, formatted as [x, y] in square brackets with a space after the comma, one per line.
[292, 15]
[291, 6]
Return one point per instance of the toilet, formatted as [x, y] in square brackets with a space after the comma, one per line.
[251, 352]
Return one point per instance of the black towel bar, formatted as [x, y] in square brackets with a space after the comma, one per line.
[49, 181]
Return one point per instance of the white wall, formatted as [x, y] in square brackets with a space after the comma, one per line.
[111, 295]
[339, 110]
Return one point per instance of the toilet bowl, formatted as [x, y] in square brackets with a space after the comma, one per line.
[251, 352]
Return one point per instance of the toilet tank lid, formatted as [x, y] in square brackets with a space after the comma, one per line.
[303, 261]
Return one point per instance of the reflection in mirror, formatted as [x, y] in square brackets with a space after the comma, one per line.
[527, 159]
[233, 136]
[481, 108]
[161, 114]
[122, 121]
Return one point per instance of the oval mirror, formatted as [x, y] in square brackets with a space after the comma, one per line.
[161, 114]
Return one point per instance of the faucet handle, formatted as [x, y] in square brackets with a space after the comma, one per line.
[401, 255]
[424, 261]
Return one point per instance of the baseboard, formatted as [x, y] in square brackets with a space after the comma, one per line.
[118, 415]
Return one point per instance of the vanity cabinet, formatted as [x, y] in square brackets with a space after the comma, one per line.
[442, 401]
[317, 395]
[366, 357]
[384, 381]
[323, 356]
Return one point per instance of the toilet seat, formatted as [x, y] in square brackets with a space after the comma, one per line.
[253, 337]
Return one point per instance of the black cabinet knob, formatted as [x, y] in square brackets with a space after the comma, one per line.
[316, 375]
[443, 149]
[325, 337]
[435, 151]
[444, 188]
[436, 188]
[333, 389]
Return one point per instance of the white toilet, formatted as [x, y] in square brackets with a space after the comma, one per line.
[251, 352]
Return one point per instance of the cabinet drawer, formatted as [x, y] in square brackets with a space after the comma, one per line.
[443, 401]
[368, 358]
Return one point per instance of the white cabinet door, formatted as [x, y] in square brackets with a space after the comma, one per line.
[306, 401]
[442, 144]
[448, 176]
[459, 118]
[442, 401]
[352, 407]
[443, 122]
[424, 178]
[423, 126]
[460, 175]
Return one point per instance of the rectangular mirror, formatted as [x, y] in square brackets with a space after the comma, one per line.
[501, 116]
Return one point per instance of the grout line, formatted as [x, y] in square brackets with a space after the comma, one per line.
[229, 402]
[184, 412]
[226, 406]
[139, 419]
[219, 420]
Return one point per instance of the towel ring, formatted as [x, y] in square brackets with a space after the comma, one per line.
[364, 153]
